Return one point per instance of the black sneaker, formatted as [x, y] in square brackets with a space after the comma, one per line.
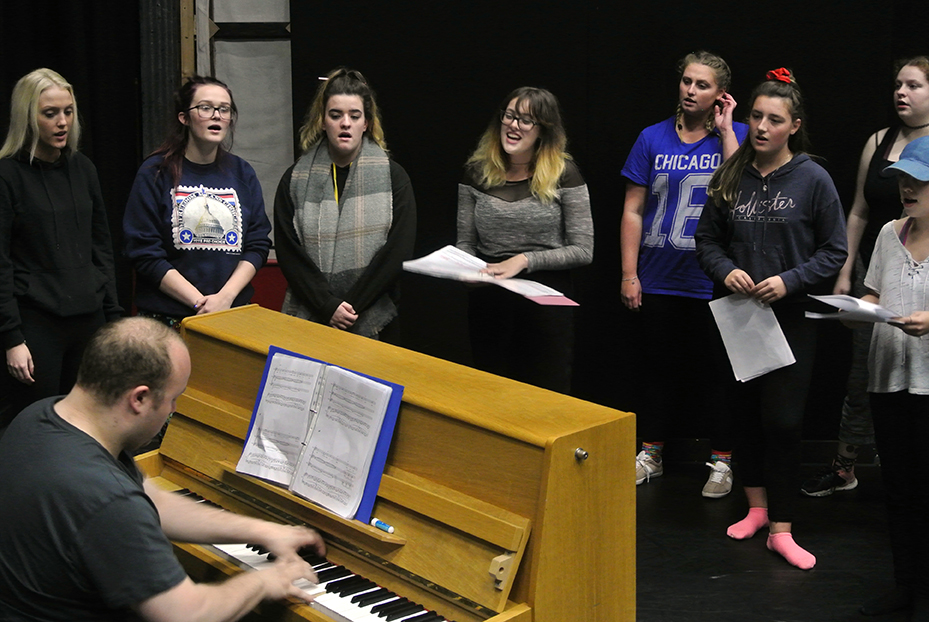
[829, 481]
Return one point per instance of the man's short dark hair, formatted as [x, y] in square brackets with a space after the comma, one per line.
[126, 354]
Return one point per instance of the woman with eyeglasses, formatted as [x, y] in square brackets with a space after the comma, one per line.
[57, 283]
[345, 215]
[668, 171]
[523, 207]
[195, 224]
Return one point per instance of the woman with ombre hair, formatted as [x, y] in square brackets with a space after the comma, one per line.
[523, 207]
[57, 281]
[773, 229]
[345, 215]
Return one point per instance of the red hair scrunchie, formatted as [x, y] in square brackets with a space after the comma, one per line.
[781, 74]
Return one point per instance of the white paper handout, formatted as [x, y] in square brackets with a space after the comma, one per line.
[453, 263]
[285, 414]
[754, 340]
[853, 309]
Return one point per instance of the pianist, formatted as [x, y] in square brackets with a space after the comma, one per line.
[83, 537]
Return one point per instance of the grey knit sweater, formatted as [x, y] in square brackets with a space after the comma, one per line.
[501, 222]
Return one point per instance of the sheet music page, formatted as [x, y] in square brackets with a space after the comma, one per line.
[753, 338]
[334, 466]
[284, 417]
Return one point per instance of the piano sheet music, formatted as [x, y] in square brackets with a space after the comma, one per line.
[282, 420]
[314, 429]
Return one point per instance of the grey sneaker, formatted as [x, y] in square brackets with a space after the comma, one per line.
[720, 482]
[647, 467]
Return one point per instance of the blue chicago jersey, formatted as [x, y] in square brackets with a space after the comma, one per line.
[676, 176]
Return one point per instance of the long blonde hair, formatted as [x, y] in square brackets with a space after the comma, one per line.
[490, 161]
[341, 81]
[24, 113]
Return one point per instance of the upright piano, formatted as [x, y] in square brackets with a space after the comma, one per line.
[509, 503]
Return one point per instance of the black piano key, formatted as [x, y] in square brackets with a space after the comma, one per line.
[360, 587]
[330, 574]
[385, 598]
[379, 608]
[363, 600]
[346, 583]
[310, 556]
[403, 612]
[390, 607]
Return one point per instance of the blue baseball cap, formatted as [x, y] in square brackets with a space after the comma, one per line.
[914, 161]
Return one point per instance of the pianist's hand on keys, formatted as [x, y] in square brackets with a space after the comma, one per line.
[340, 594]
[334, 590]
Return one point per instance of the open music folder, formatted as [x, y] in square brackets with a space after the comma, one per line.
[322, 431]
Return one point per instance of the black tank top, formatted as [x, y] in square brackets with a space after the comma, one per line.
[881, 194]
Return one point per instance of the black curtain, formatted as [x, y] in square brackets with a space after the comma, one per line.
[95, 47]
[440, 75]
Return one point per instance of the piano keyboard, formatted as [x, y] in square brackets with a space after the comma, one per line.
[340, 594]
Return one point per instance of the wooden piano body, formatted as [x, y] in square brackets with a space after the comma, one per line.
[497, 514]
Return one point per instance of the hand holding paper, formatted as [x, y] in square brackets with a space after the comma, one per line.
[453, 263]
[853, 310]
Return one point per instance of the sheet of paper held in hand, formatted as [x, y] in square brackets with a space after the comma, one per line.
[334, 466]
[452, 263]
[853, 309]
[285, 414]
[754, 340]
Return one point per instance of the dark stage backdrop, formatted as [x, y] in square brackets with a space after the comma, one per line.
[94, 46]
[441, 71]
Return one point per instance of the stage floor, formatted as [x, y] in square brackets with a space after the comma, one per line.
[690, 571]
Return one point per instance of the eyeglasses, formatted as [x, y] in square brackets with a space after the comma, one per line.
[524, 123]
[205, 111]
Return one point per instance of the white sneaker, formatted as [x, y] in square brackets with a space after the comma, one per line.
[720, 482]
[646, 467]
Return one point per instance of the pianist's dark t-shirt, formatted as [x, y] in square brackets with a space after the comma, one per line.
[80, 539]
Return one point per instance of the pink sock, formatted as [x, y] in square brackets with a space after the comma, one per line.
[784, 544]
[746, 528]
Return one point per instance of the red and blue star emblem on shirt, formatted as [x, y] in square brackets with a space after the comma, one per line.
[207, 219]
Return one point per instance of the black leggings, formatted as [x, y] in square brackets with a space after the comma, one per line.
[768, 415]
[901, 427]
[514, 337]
[56, 344]
[679, 349]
